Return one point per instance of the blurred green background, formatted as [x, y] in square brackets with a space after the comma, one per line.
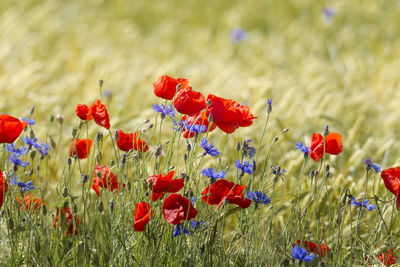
[342, 71]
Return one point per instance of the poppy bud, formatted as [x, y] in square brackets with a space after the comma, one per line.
[185, 157]
[275, 139]
[32, 154]
[31, 134]
[101, 82]
[10, 224]
[64, 192]
[85, 178]
[51, 118]
[238, 146]
[285, 130]
[32, 110]
[74, 132]
[327, 168]
[37, 168]
[116, 135]
[146, 194]
[151, 125]
[65, 205]
[59, 118]
[146, 121]
[327, 175]
[188, 147]
[44, 210]
[99, 205]
[69, 162]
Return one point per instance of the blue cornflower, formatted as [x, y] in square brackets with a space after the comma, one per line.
[248, 150]
[209, 148]
[199, 224]
[165, 111]
[369, 165]
[16, 151]
[197, 128]
[178, 229]
[364, 204]
[179, 126]
[28, 186]
[213, 174]
[29, 121]
[259, 197]
[43, 149]
[302, 148]
[277, 171]
[14, 158]
[302, 254]
[30, 142]
[269, 108]
[329, 13]
[193, 200]
[238, 35]
[245, 167]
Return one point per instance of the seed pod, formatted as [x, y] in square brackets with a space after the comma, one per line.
[59, 118]
[64, 192]
[44, 210]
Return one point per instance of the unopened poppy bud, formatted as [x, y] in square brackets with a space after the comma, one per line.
[185, 156]
[146, 194]
[10, 224]
[210, 118]
[101, 82]
[158, 151]
[80, 125]
[327, 175]
[327, 168]
[32, 110]
[65, 205]
[85, 178]
[74, 208]
[326, 132]
[37, 168]
[285, 130]
[51, 118]
[276, 139]
[69, 161]
[31, 134]
[44, 210]
[99, 205]
[74, 132]
[178, 87]
[151, 125]
[190, 193]
[188, 147]
[32, 154]
[162, 115]
[64, 192]
[59, 118]
[146, 121]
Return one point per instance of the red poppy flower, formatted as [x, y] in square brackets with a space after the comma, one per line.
[100, 115]
[142, 216]
[199, 119]
[164, 184]
[3, 188]
[31, 203]
[314, 248]
[82, 148]
[165, 86]
[67, 220]
[189, 102]
[176, 209]
[391, 178]
[83, 112]
[130, 141]
[333, 145]
[108, 180]
[10, 128]
[228, 115]
[387, 258]
[222, 191]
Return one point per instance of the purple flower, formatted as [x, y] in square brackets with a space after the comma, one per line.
[278, 171]
[28, 186]
[209, 148]
[195, 128]
[302, 148]
[369, 165]
[245, 167]
[165, 111]
[269, 108]
[302, 254]
[238, 35]
[364, 203]
[329, 13]
[178, 229]
[259, 197]
[213, 174]
[29, 121]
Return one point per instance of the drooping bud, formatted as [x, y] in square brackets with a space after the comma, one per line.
[59, 118]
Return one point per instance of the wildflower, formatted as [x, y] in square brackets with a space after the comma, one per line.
[245, 167]
[387, 258]
[222, 191]
[31, 203]
[248, 150]
[72, 222]
[189, 102]
[100, 115]
[142, 216]
[364, 204]
[80, 147]
[108, 180]
[83, 112]
[15, 159]
[258, 197]
[314, 248]
[199, 224]
[391, 178]
[3, 188]
[165, 86]
[213, 174]
[10, 128]
[29, 121]
[200, 121]
[164, 184]
[329, 13]
[333, 145]
[176, 209]
[209, 148]
[28, 186]
[369, 165]
[302, 254]
[130, 141]
[228, 115]
[278, 172]
[269, 108]
[30, 142]
[178, 229]
[238, 35]
[165, 111]
[43, 149]
[302, 148]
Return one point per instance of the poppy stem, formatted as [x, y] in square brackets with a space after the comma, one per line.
[113, 145]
